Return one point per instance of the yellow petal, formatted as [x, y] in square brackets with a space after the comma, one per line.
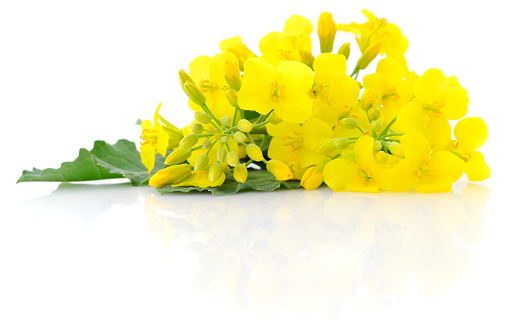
[399, 178]
[328, 66]
[416, 148]
[215, 71]
[444, 169]
[296, 77]
[438, 133]
[456, 101]
[297, 25]
[344, 93]
[321, 110]
[255, 90]
[315, 132]
[199, 68]
[148, 156]
[338, 173]
[471, 133]
[309, 157]
[476, 169]
[295, 108]
[412, 118]
[430, 85]
[364, 151]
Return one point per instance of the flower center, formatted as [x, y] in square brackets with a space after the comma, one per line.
[434, 109]
[276, 90]
[295, 141]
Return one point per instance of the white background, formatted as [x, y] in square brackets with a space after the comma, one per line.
[81, 260]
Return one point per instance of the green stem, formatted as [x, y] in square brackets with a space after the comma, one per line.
[389, 135]
[234, 118]
[386, 129]
[211, 147]
[263, 141]
[196, 147]
[208, 111]
[360, 129]
[249, 136]
[248, 162]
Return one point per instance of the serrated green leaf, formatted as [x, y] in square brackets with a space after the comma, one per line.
[104, 161]
[260, 180]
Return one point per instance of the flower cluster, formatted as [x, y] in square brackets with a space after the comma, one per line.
[304, 118]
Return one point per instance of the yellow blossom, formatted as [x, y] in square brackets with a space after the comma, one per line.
[154, 139]
[235, 46]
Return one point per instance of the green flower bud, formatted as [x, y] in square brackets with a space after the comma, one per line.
[178, 156]
[223, 139]
[201, 162]
[274, 119]
[231, 97]
[221, 154]
[374, 113]
[232, 158]
[381, 157]
[368, 98]
[349, 123]
[342, 143]
[189, 140]
[307, 58]
[345, 50]
[225, 121]
[240, 137]
[226, 170]
[244, 125]
[254, 152]
[194, 93]
[197, 128]
[369, 55]
[207, 144]
[348, 154]
[203, 117]
[240, 173]
[377, 145]
[326, 32]
[170, 175]
[396, 149]
[327, 147]
[376, 126]
[215, 171]
[183, 77]
[232, 74]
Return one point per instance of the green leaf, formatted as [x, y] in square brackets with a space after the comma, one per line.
[261, 180]
[104, 161]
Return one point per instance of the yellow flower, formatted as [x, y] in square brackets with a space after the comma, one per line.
[363, 174]
[312, 178]
[277, 47]
[326, 32]
[278, 168]
[427, 171]
[394, 43]
[154, 139]
[283, 89]
[296, 145]
[208, 76]
[235, 46]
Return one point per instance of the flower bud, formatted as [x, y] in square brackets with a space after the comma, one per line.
[178, 156]
[240, 137]
[374, 113]
[368, 98]
[381, 157]
[183, 77]
[349, 123]
[326, 32]
[348, 154]
[232, 158]
[225, 121]
[197, 128]
[231, 97]
[215, 171]
[221, 154]
[312, 178]
[279, 169]
[327, 147]
[170, 175]
[376, 126]
[345, 50]
[232, 74]
[203, 117]
[377, 145]
[194, 93]
[307, 58]
[207, 144]
[244, 125]
[240, 173]
[223, 139]
[396, 149]
[254, 152]
[201, 162]
[274, 119]
[189, 140]
[342, 143]
[226, 170]
[369, 55]
[241, 151]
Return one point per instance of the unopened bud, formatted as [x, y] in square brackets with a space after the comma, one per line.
[215, 171]
[374, 113]
[369, 55]
[189, 140]
[225, 121]
[376, 126]
[231, 97]
[232, 75]
[348, 154]
[396, 149]
[226, 170]
[345, 50]
[312, 178]
[279, 169]
[368, 98]
[307, 58]
[232, 158]
[197, 128]
[349, 123]
[240, 137]
[240, 173]
[170, 175]
[244, 125]
[194, 93]
[221, 154]
[183, 77]
[201, 162]
[342, 143]
[326, 32]
[207, 144]
[223, 139]
[274, 119]
[203, 117]
[381, 157]
[377, 145]
[178, 156]
[327, 147]
[254, 152]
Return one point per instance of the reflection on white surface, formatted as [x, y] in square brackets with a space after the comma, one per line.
[297, 250]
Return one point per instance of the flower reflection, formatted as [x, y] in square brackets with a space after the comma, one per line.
[298, 250]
